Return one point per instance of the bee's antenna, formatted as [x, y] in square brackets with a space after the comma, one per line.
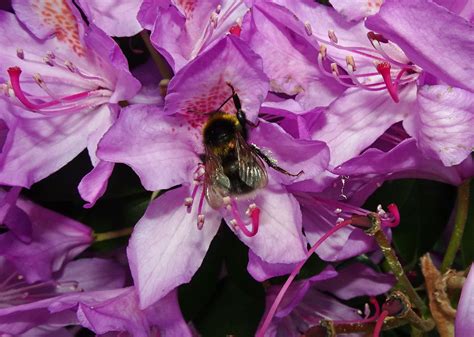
[228, 99]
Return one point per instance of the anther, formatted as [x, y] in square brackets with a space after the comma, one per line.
[308, 28]
[188, 202]
[200, 222]
[334, 69]
[323, 51]
[218, 9]
[38, 79]
[250, 209]
[376, 37]
[47, 60]
[234, 223]
[70, 66]
[332, 36]
[350, 63]
[20, 53]
[51, 55]
[214, 19]
[338, 211]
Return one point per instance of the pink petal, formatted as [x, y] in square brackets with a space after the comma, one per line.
[356, 10]
[443, 123]
[279, 239]
[358, 118]
[166, 247]
[293, 155]
[159, 148]
[201, 86]
[290, 61]
[439, 51]
[117, 18]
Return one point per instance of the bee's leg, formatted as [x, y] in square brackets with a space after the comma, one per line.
[272, 162]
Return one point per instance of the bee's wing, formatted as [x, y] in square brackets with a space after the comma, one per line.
[216, 183]
[252, 170]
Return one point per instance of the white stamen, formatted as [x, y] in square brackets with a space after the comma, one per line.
[250, 209]
[323, 51]
[188, 201]
[308, 28]
[214, 19]
[332, 36]
[350, 62]
[20, 53]
[338, 211]
[201, 219]
[48, 61]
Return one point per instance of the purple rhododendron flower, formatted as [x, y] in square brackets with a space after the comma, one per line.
[196, 26]
[309, 301]
[65, 81]
[54, 239]
[116, 18]
[464, 324]
[166, 236]
[393, 64]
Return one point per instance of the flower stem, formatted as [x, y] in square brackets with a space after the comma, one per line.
[159, 60]
[393, 263]
[98, 237]
[462, 208]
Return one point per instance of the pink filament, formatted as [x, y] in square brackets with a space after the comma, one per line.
[14, 73]
[284, 288]
[379, 324]
[254, 216]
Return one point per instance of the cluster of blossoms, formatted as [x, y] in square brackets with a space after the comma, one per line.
[339, 99]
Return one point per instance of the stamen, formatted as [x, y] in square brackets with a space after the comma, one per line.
[308, 28]
[200, 223]
[48, 61]
[218, 9]
[384, 69]
[214, 18]
[14, 73]
[332, 36]
[201, 216]
[20, 53]
[350, 62]
[368, 318]
[51, 55]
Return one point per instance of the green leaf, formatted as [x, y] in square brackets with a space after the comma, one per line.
[425, 207]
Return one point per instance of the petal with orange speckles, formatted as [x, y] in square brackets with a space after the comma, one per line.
[202, 85]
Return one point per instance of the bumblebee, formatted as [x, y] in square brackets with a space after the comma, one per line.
[232, 165]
